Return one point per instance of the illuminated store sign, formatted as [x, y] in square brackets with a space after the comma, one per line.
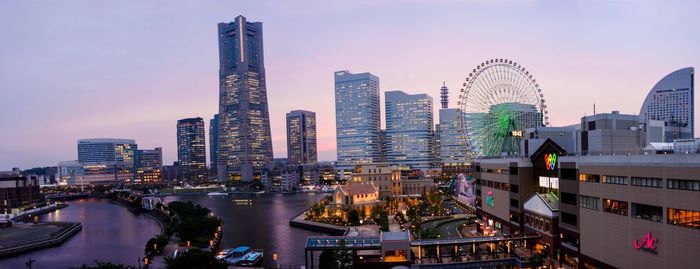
[489, 199]
[549, 182]
[550, 161]
[647, 243]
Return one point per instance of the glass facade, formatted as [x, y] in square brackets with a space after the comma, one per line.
[149, 164]
[191, 152]
[409, 129]
[244, 142]
[452, 149]
[213, 141]
[117, 155]
[301, 137]
[357, 119]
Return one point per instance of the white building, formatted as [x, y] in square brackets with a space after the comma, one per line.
[672, 100]
[409, 129]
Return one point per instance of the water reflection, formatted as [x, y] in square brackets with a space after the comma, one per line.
[264, 224]
[110, 233]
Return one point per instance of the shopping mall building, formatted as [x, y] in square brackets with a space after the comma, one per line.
[614, 210]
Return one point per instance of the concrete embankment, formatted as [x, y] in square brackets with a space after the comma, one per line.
[38, 211]
[300, 222]
[55, 238]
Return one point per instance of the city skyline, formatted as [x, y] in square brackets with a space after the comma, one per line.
[143, 59]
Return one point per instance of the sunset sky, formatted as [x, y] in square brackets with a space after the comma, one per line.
[131, 69]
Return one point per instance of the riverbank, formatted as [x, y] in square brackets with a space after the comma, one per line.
[299, 222]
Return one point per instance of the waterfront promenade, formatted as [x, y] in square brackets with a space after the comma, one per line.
[25, 237]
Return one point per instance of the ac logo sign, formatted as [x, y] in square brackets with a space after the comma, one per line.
[550, 161]
[647, 243]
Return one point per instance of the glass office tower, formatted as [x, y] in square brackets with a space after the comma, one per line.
[245, 143]
[357, 119]
[409, 129]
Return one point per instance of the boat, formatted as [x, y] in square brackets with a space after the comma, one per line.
[243, 201]
[236, 254]
[250, 259]
[224, 254]
[216, 193]
[259, 192]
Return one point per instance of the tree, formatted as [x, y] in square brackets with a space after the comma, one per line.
[345, 256]
[105, 265]
[353, 217]
[428, 233]
[329, 259]
[195, 259]
[155, 245]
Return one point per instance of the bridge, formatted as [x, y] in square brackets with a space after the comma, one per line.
[504, 250]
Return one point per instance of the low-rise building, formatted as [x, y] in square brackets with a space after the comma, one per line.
[356, 194]
[385, 177]
[18, 192]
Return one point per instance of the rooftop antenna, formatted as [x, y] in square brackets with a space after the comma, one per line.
[443, 95]
[593, 108]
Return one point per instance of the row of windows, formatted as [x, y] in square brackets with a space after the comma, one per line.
[683, 184]
[619, 180]
[679, 217]
[493, 184]
[589, 202]
[588, 178]
[615, 207]
[649, 182]
[537, 222]
[497, 171]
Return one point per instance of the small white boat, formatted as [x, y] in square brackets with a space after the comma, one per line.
[243, 202]
[216, 193]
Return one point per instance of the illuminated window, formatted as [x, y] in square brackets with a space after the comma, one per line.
[685, 218]
[588, 178]
[615, 207]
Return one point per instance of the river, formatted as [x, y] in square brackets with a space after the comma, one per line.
[264, 224]
[113, 233]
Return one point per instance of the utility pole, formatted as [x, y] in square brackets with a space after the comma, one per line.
[30, 262]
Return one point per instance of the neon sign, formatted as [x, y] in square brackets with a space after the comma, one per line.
[550, 160]
[647, 243]
[489, 199]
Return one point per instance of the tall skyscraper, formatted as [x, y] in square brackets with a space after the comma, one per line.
[409, 129]
[149, 165]
[245, 142]
[191, 152]
[672, 100]
[357, 119]
[113, 156]
[452, 149]
[213, 142]
[301, 137]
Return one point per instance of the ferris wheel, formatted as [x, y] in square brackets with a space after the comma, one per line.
[498, 101]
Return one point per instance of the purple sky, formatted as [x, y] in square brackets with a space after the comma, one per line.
[131, 69]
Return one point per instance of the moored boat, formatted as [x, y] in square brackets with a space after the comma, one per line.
[252, 258]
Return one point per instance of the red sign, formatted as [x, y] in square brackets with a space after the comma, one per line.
[647, 243]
